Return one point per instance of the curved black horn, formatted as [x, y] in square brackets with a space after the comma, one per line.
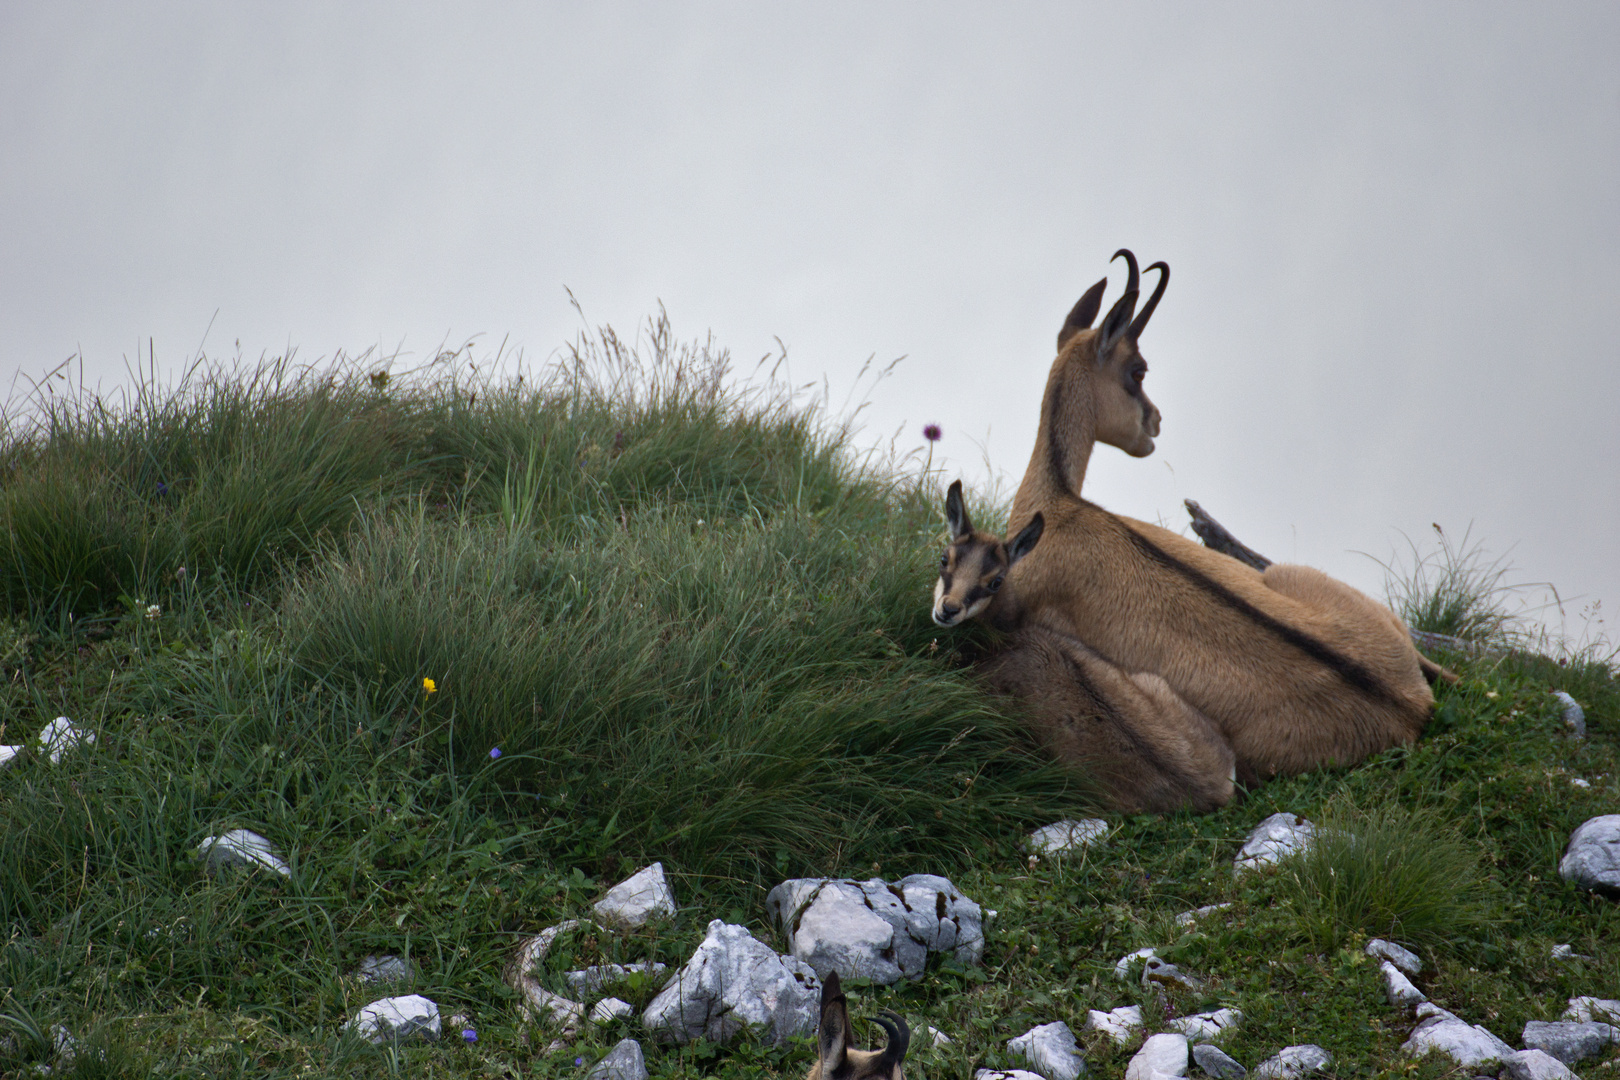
[1153, 301]
[1133, 283]
[899, 1039]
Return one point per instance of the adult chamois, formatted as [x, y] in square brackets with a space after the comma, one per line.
[1296, 670]
[836, 1060]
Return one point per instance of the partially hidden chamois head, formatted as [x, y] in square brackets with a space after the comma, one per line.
[835, 1060]
[975, 564]
[1098, 373]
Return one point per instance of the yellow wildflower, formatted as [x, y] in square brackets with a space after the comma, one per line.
[429, 686]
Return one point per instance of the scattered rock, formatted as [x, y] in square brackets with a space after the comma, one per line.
[385, 969]
[1215, 1061]
[1574, 715]
[1585, 1009]
[1161, 1055]
[1570, 1041]
[1567, 952]
[1005, 1074]
[1160, 972]
[1119, 1024]
[1467, 1044]
[7, 754]
[60, 736]
[873, 929]
[588, 982]
[1051, 1049]
[1402, 994]
[1407, 961]
[540, 1004]
[1207, 1025]
[734, 981]
[1292, 1062]
[938, 1038]
[397, 1018]
[623, 1062]
[1188, 918]
[1122, 966]
[1593, 858]
[638, 899]
[610, 1009]
[65, 1045]
[1067, 835]
[240, 847]
[1273, 840]
[1536, 1065]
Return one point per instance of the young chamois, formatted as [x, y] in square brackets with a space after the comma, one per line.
[1146, 748]
[1297, 670]
[834, 1058]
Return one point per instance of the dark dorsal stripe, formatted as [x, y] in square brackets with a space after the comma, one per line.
[1054, 448]
[1347, 669]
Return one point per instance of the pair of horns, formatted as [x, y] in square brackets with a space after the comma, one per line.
[1084, 312]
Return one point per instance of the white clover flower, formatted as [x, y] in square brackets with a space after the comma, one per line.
[153, 611]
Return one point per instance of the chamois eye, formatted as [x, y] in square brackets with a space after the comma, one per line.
[995, 583]
[944, 561]
[1139, 374]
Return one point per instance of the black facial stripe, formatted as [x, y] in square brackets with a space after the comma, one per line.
[1347, 669]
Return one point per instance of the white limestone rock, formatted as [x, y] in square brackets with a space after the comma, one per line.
[1067, 835]
[938, 1039]
[1122, 966]
[1051, 1049]
[1005, 1074]
[1217, 1063]
[241, 848]
[1164, 1054]
[8, 754]
[1569, 1041]
[638, 899]
[1536, 1065]
[1586, 1009]
[610, 1009]
[588, 982]
[1157, 971]
[874, 929]
[1567, 952]
[396, 1019]
[1402, 994]
[1469, 1045]
[1119, 1024]
[384, 969]
[1593, 858]
[1293, 1062]
[1207, 1025]
[1574, 715]
[1407, 961]
[734, 981]
[1189, 918]
[540, 1004]
[623, 1062]
[60, 736]
[1273, 840]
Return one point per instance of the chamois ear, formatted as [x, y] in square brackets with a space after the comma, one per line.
[956, 516]
[832, 1035]
[1118, 322]
[1027, 538]
[1083, 314]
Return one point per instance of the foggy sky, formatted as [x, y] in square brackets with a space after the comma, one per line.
[1394, 229]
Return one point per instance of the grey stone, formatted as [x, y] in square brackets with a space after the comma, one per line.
[1217, 1063]
[610, 1009]
[60, 736]
[1407, 961]
[1273, 840]
[588, 982]
[1593, 858]
[240, 848]
[1122, 966]
[1399, 989]
[397, 1018]
[937, 1038]
[1164, 1054]
[873, 929]
[1067, 835]
[1536, 1065]
[385, 969]
[732, 982]
[623, 1062]
[1574, 715]
[1207, 1025]
[1469, 1045]
[1119, 1024]
[1051, 1049]
[1005, 1074]
[638, 899]
[1569, 1041]
[540, 1004]
[8, 754]
[1567, 952]
[1157, 971]
[1292, 1062]
[1583, 1009]
[1188, 918]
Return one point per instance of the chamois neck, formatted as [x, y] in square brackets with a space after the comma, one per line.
[1063, 445]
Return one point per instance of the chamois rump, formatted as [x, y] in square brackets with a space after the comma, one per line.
[1146, 748]
[836, 1060]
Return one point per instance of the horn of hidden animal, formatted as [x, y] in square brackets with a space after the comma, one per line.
[899, 1040]
[1084, 312]
[1153, 301]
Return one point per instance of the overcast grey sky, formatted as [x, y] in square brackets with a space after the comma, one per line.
[1394, 228]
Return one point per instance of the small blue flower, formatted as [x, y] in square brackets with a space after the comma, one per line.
[579, 1061]
[495, 753]
[162, 488]
[469, 1034]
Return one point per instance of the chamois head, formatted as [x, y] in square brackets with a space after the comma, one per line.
[1098, 373]
[975, 564]
[834, 1058]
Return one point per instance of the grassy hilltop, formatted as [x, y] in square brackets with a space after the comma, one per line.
[470, 651]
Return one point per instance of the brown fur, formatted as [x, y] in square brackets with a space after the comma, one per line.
[835, 1060]
[1296, 670]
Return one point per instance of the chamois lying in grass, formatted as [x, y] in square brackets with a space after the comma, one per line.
[1147, 749]
[835, 1060]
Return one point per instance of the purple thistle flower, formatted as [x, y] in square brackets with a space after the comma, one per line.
[495, 753]
[469, 1034]
[931, 432]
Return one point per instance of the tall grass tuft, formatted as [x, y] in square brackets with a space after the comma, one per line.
[1457, 591]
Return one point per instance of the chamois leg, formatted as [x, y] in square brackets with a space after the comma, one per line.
[1147, 748]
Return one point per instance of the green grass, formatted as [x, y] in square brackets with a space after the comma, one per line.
[695, 624]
